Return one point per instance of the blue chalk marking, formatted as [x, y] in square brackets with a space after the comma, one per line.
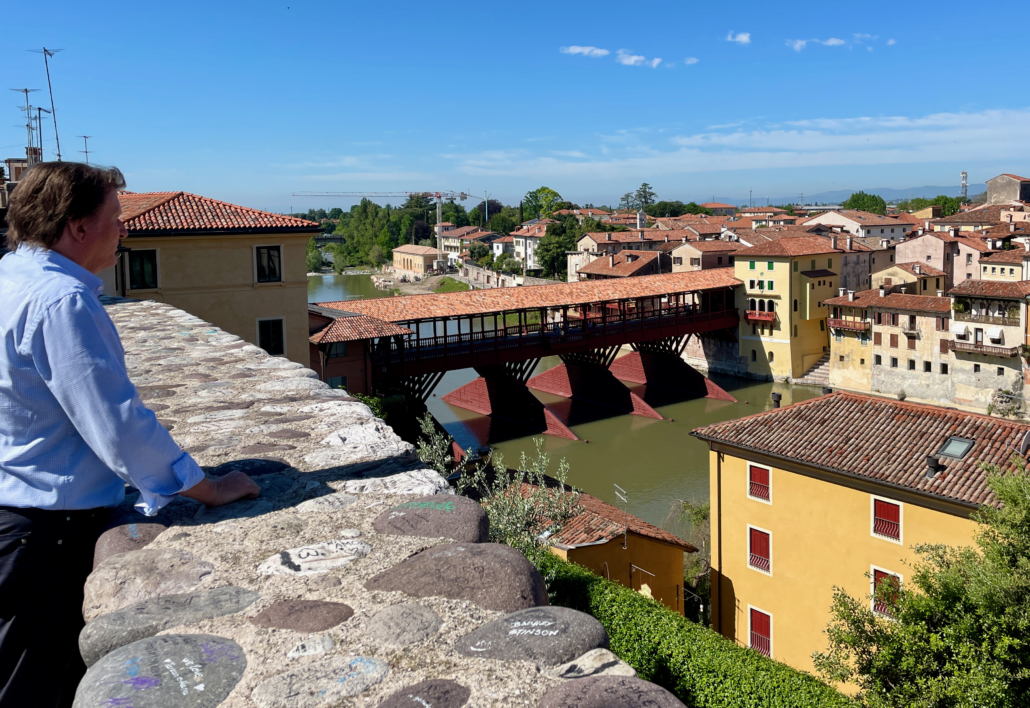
[133, 531]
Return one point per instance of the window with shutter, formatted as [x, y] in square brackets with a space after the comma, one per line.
[894, 341]
[886, 588]
[911, 342]
[761, 632]
[878, 338]
[758, 483]
[759, 556]
[944, 346]
[886, 519]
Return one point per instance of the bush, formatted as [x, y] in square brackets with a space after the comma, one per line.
[702, 668]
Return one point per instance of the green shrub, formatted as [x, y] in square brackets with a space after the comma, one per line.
[703, 669]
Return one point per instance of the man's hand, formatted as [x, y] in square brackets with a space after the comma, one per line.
[223, 490]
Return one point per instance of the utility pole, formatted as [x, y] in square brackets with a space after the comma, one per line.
[30, 143]
[47, 55]
[750, 203]
[85, 144]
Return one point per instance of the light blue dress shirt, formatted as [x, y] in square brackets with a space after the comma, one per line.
[73, 430]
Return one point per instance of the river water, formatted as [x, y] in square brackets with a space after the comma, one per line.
[657, 462]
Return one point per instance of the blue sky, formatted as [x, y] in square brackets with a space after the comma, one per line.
[252, 101]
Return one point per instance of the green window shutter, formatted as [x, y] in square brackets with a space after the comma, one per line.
[771, 264]
[751, 265]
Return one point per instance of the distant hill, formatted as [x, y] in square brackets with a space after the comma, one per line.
[837, 196]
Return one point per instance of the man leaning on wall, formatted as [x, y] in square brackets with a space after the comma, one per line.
[73, 431]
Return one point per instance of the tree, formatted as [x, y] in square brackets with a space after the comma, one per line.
[335, 213]
[866, 202]
[959, 629]
[644, 196]
[475, 218]
[420, 231]
[502, 224]
[551, 254]
[478, 250]
[949, 205]
[314, 261]
[628, 202]
[407, 223]
[540, 202]
[495, 207]
[376, 256]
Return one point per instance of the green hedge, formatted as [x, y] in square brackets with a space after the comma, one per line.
[703, 669]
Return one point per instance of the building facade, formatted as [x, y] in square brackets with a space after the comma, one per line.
[863, 224]
[340, 346]
[1008, 188]
[412, 260]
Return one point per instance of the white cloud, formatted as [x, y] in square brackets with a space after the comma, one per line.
[691, 60]
[624, 57]
[832, 42]
[797, 44]
[891, 42]
[654, 63]
[859, 38]
[593, 52]
[739, 38]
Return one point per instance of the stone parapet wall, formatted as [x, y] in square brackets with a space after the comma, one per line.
[321, 592]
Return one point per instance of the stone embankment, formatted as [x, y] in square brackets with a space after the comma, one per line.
[357, 579]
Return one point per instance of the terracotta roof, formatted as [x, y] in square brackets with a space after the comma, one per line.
[717, 205]
[532, 231]
[792, 246]
[414, 250]
[624, 267]
[474, 302]
[762, 210]
[866, 218]
[504, 239]
[1013, 255]
[924, 270]
[880, 439]
[1004, 230]
[893, 301]
[714, 246]
[1021, 179]
[910, 218]
[873, 243]
[601, 522]
[626, 236]
[981, 215]
[991, 288]
[462, 232]
[705, 229]
[162, 212]
[352, 329]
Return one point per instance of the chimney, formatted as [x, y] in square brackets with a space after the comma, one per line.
[841, 292]
[952, 231]
[776, 398]
[851, 241]
[933, 466]
[1026, 245]
[827, 390]
[851, 295]
[883, 243]
[883, 290]
[608, 236]
[940, 293]
[1012, 227]
[666, 239]
[611, 261]
[833, 241]
[904, 289]
[641, 235]
[917, 268]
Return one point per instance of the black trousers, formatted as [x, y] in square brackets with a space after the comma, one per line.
[45, 557]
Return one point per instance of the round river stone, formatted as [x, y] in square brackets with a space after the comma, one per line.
[322, 683]
[303, 615]
[145, 619]
[194, 670]
[440, 515]
[545, 635]
[437, 693]
[491, 575]
[252, 466]
[125, 538]
[400, 625]
[316, 558]
[608, 691]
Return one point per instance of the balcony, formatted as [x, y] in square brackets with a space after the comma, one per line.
[759, 562]
[986, 349]
[851, 325]
[997, 320]
[756, 316]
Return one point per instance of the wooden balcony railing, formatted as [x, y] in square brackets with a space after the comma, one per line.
[852, 325]
[997, 320]
[987, 349]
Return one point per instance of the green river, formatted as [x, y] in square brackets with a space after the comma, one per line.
[656, 461]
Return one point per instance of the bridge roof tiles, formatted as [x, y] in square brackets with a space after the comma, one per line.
[482, 302]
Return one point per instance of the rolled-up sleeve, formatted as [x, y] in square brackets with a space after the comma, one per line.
[79, 355]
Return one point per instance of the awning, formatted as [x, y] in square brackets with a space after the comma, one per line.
[959, 329]
[994, 333]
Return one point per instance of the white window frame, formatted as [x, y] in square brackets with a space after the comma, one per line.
[872, 589]
[772, 625]
[282, 265]
[747, 544]
[901, 519]
[747, 490]
[128, 273]
[257, 332]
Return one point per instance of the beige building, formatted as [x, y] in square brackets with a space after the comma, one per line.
[702, 255]
[911, 279]
[240, 269]
[412, 260]
[862, 224]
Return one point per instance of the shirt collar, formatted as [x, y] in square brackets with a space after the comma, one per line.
[65, 265]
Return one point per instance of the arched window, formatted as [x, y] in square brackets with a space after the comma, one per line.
[751, 305]
[770, 357]
[795, 307]
[754, 355]
[761, 305]
[772, 306]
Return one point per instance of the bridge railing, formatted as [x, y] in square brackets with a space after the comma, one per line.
[548, 334]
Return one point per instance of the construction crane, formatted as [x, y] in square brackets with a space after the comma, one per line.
[439, 196]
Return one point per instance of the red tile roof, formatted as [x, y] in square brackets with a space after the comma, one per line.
[792, 246]
[893, 301]
[626, 236]
[714, 246]
[703, 228]
[1017, 177]
[1013, 255]
[626, 264]
[981, 215]
[352, 329]
[924, 270]
[879, 439]
[414, 250]
[170, 212]
[717, 205]
[475, 302]
[462, 232]
[992, 288]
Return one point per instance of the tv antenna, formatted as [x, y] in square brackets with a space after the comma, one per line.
[30, 145]
[85, 144]
[39, 128]
[622, 495]
[47, 55]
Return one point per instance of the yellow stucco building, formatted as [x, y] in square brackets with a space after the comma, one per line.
[835, 492]
[783, 318]
[240, 269]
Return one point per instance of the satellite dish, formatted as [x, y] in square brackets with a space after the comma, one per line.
[1023, 446]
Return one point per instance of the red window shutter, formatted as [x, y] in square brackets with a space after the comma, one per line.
[759, 483]
[877, 336]
[885, 605]
[894, 341]
[760, 475]
[911, 342]
[886, 519]
[761, 632]
[759, 551]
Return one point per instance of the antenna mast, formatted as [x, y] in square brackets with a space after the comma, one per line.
[85, 144]
[965, 185]
[30, 145]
